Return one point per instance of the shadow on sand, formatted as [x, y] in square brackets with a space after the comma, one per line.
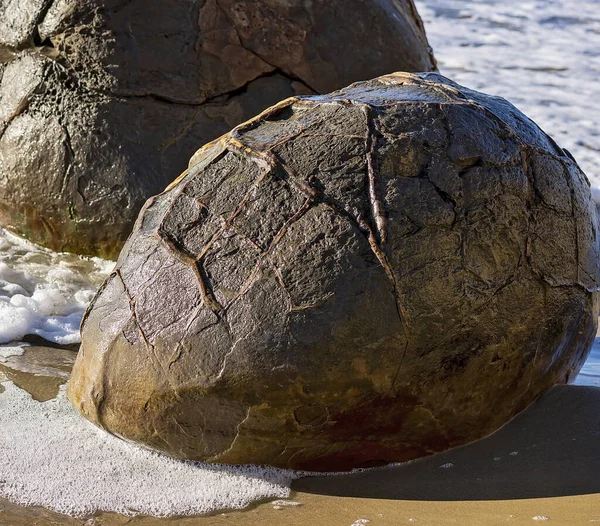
[552, 449]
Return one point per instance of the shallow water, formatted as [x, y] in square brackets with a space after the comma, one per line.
[590, 373]
[542, 55]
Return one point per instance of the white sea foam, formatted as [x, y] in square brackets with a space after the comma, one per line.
[7, 351]
[281, 504]
[53, 457]
[541, 55]
[44, 293]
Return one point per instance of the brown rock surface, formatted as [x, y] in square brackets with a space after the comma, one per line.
[347, 280]
[102, 103]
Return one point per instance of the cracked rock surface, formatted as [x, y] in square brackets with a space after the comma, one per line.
[347, 280]
[102, 103]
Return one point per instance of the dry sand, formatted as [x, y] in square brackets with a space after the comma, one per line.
[544, 466]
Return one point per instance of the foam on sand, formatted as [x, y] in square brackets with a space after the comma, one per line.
[8, 351]
[53, 457]
[44, 293]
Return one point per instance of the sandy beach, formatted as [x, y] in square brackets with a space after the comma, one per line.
[542, 466]
[317, 510]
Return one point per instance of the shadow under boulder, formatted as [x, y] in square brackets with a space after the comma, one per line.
[549, 450]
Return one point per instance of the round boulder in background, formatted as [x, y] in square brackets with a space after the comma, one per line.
[102, 103]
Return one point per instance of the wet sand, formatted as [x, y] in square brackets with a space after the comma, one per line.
[542, 466]
[40, 370]
[318, 510]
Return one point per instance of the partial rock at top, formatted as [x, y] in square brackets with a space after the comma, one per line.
[102, 103]
[348, 280]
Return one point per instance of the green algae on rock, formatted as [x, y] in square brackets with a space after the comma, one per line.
[102, 103]
[348, 280]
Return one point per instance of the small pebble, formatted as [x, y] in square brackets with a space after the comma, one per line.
[280, 504]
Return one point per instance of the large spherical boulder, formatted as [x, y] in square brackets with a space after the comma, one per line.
[102, 103]
[347, 280]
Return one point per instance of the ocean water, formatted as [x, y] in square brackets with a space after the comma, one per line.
[542, 55]
[590, 372]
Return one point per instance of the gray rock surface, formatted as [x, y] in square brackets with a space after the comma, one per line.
[102, 103]
[348, 280]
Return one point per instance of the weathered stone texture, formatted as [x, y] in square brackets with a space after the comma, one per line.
[348, 280]
[119, 94]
